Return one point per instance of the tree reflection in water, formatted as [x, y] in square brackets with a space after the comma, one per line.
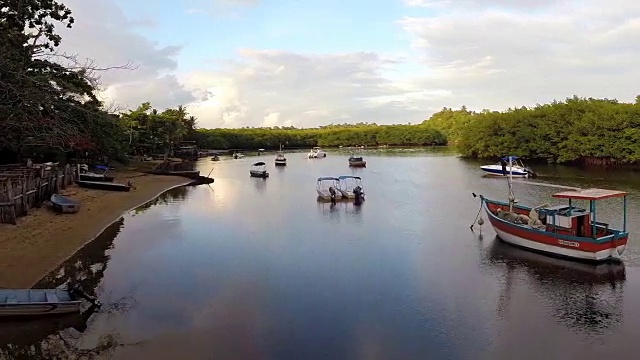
[584, 297]
[178, 193]
[56, 337]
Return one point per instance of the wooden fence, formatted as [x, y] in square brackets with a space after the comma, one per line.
[23, 188]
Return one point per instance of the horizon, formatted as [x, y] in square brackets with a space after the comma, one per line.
[238, 63]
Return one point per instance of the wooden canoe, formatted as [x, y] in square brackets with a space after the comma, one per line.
[103, 185]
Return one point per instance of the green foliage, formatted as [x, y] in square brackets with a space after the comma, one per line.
[576, 129]
[332, 135]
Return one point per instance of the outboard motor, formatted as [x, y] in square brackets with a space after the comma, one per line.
[357, 191]
[504, 166]
[332, 191]
[531, 173]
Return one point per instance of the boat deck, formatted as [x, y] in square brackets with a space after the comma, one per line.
[11, 296]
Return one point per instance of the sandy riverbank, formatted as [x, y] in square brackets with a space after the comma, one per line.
[44, 239]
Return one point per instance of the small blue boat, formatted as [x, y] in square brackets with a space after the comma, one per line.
[64, 205]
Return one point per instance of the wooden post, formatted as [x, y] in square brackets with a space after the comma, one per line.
[12, 208]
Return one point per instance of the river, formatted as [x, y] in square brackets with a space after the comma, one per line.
[249, 268]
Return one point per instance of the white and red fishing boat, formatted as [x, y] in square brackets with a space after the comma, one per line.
[564, 230]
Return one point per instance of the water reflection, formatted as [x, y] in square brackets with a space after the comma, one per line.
[584, 297]
[55, 337]
[259, 183]
[176, 194]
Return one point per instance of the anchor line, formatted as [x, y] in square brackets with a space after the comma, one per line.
[477, 215]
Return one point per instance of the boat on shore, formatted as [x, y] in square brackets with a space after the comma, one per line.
[509, 165]
[64, 205]
[563, 230]
[103, 185]
[357, 161]
[259, 169]
[350, 187]
[28, 302]
[328, 188]
[92, 176]
[316, 152]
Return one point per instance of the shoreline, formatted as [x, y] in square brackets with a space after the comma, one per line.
[44, 239]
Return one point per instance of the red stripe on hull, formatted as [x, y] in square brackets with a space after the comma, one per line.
[550, 240]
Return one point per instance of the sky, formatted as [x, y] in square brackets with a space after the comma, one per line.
[303, 63]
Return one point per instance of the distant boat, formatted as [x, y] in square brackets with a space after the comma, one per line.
[357, 161]
[328, 188]
[64, 205]
[22, 302]
[280, 159]
[103, 185]
[215, 158]
[316, 152]
[350, 186]
[502, 168]
[238, 155]
[259, 169]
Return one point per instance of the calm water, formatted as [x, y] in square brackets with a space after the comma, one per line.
[257, 269]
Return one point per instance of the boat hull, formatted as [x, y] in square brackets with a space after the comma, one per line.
[281, 162]
[39, 309]
[102, 185]
[100, 178]
[64, 205]
[259, 174]
[546, 242]
[358, 163]
[496, 170]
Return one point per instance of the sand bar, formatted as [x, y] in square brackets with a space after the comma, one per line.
[44, 239]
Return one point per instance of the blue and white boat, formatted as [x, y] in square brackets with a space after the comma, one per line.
[503, 168]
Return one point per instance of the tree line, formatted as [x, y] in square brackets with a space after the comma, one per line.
[49, 110]
[577, 130]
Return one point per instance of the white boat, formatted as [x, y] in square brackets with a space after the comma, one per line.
[280, 159]
[503, 168]
[238, 155]
[350, 186]
[316, 152]
[328, 188]
[259, 169]
[21, 302]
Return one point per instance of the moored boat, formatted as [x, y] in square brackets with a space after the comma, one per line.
[357, 161]
[280, 159]
[259, 169]
[563, 230]
[509, 164]
[89, 176]
[25, 302]
[350, 187]
[328, 188]
[215, 158]
[316, 152]
[64, 205]
[103, 185]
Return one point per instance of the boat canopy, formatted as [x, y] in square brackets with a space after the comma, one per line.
[349, 177]
[260, 163]
[512, 158]
[590, 194]
[328, 178]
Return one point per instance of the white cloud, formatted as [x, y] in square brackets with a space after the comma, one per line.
[491, 56]
[269, 88]
[102, 32]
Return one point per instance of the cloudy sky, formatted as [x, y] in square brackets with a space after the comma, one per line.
[306, 63]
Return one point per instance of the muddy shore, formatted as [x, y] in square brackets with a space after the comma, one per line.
[44, 239]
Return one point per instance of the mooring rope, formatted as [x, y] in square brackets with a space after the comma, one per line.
[479, 211]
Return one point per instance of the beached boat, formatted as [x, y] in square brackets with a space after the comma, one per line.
[191, 174]
[92, 176]
[357, 161]
[103, 185]
[328, 188]
[509, 164]
[280, 159]
[25, 302]
[563, 230]
[350, 187]
[64, 205]
[259, 169]
[316, 152]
